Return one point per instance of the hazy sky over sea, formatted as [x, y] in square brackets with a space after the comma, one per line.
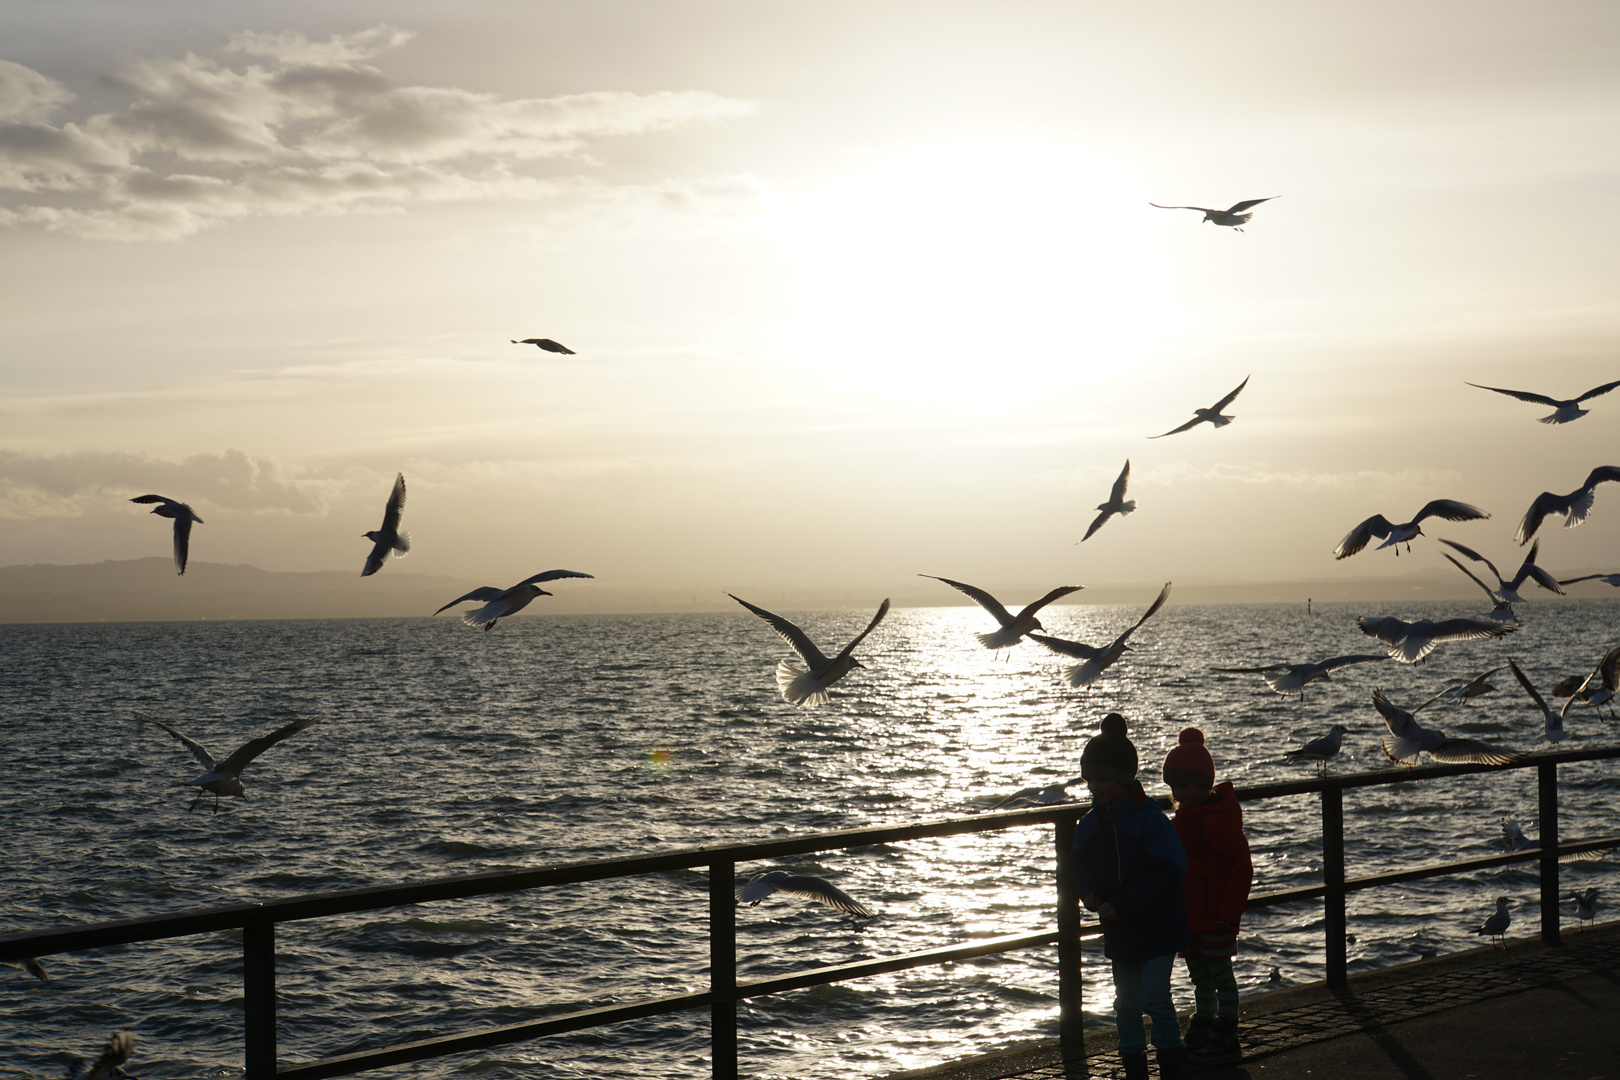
[858, 290]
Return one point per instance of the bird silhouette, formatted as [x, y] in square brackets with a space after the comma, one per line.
[109, 1065]
[225, 777]
[800, 687]
[1411, 642]
[1507, 591]
[545, 343]
[1013, 627]
[805, 885]
[1116, 504]
[1394, 535]
[1233, 216]
[1564, 411]
[388, 538]
[1211, 415]
[1096, 660]
[1411, 739]
[1321, 750]
[1575, 506]
[183, 517]
[499, 603]
[1293, 678]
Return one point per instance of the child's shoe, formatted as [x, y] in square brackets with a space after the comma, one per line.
[1199, 1032]
[1222, 1047]
[1172, 1063]
[1136, 1067]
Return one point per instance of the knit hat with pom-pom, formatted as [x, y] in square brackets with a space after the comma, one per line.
[1189, 761]
[1110, 756]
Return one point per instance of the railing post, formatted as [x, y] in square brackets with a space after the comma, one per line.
[259, 999]
[723, 969]
[1071, 999]
[1547, 795]
[1333, 915]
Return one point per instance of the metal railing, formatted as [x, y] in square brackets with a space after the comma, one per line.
[258, 921]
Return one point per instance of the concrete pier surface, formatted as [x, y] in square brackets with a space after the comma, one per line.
[1525, 1011]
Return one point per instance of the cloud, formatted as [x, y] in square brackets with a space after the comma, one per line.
[55, 485]
[313, 129]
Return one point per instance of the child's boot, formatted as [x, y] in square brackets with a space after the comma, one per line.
[1172, 1063]
[1136, 1066]
[1198, 1032]
[1222, 1047]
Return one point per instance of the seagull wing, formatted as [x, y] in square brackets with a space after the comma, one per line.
[986, 601]
[1194, 422]
[1080, 650]
[1356, 539]
[1097, 524]
[549, 575]
[1578, 580]
[822, 892]
[1061, 590]
[375, 560]
[1117, 495]
[883, 609]
[1525, 395]
[1153, 609]
[395, 507]
[1451, 510]
[1554, 721]
[1385, 628]
[1470, 752]
[1467, 630]
[1205, 209]
[182, 542]
[113, 1055]
[1544, 504]
[1597, 391]
[1471, 576]
[483, 594]
[1239, 207]
[1228, 399]
[153, 499]
[1472, 554]
[250, 750]
[197, 749]
[1249, 670]
[791, 634]
[1355, 658]
[1401, 723]
[1529, 569]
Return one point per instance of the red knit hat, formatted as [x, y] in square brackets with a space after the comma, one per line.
[1189, 756]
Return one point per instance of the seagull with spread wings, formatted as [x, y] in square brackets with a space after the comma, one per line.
[1211, 415]
[183, 517]
[805, 885]
[1321, 750]
[499, 603]
[1411, 642]
[1233, 216]
[1477, 686]
[1098, 660]
[1598, 688]
[1515, 840]
[545, 343]
[1409, 739]
[1553, 730]
[388, 538]
[1586, 905]
[1013, 627]
[225, 777]
[109, 1065]
[1575, 506]
[1394, 535]
[1502, 611]
[1508, 591]
[30, 965]
[1292, 678]
[1565, 411]
[1116, 504]
[801, 687]
[1050, 795]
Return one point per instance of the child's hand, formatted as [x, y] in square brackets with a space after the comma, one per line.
[1106, 911]
[1091, 901]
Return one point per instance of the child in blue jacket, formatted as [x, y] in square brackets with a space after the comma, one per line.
[1129, 864]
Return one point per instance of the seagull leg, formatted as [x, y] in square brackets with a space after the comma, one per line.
[216, 802]
[195, 801]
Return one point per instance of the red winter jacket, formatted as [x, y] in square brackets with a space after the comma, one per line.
[1219, 872]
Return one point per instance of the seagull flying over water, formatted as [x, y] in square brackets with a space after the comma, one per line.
[1410, 642]
[811, 888]
[499, 603]
[183, 517]
[1514, 839]
[1233, 216]
[1211, 414]
[1411, 739]
[1116, 504]
[388, 538]
[1508, 591]
[1554, 722]
[1322, 750]
[1575, 506]
[1050, 795]
[225, 777]
[1502, 611]
[1013, 627]
[545, 343]
[800, 687]
[1598, 688]
[1566, 410]
[1393, 535]
[109, 1066]
[1497, 924]
[30, 965]
[1473, 688]
[1098, 660]
[1292, 678]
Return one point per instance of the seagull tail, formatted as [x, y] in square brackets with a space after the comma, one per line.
[1082, 674]
[1127, 506]
[402, 545]
[798, 686]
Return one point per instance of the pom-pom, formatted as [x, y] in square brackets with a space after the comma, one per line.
[1114, 724]
[1191, 736]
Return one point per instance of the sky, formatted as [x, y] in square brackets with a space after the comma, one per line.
[857, 290]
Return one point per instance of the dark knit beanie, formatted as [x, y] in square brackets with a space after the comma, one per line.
[1189, 760]
[1110, 756]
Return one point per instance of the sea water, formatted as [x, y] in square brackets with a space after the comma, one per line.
[444, 750]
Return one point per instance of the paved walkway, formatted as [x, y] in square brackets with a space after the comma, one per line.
[1527, 1011]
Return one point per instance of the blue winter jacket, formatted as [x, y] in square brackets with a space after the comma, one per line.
[1128, 853]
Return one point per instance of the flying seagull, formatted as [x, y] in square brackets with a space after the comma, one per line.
[1575, 506]
[30, 965]
[1566, 411]
[1496, 926]
[388, 538]
[1116, 504]
[183, 516]
[109, 1066]
[1098, 660]
[225, 777]
[1050, 795]
[1013, 627]
[1211, 414]
[545, 343]
[1473, 688]
[811, 888]
[1607, 579]
[1232, 216]
[1554, 722]
[1502, 611]
[1321, 750]
[1598, 688]
[1410, 642]
[1292, 678]
[800, 687]
[1508, 591]
[1393, 535]
[1515, 840]
[499, 603]
[1410, 739]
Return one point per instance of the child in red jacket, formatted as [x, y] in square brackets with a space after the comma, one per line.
[1219, 873]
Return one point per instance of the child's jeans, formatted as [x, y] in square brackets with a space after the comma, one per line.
[1145, 988]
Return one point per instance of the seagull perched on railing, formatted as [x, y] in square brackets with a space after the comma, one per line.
[1607, 579]
[1586, 905]
[1411, 642]
[1497, 924]
[1098, 660]
[1292, 678]
[1553, 730]
[1394, 535]
[1116, 504]
[1566, 410]
[811, 888]
[225, 777]
[1411, 739]
[1013, 627]
[1508, 591]
[499, 603]
[388, 538]
[1211, 415]
[1575, 506]
[545, 343]
[800, 687]
[1232, 217]
[1501, 611]
[109, 1066]
[1321, 750]
[183, 517]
